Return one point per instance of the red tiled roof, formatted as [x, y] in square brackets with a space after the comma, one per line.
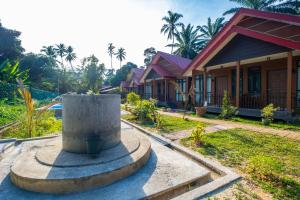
[177, 60]
[232, 28]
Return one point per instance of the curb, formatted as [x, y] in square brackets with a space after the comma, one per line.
[227, 178]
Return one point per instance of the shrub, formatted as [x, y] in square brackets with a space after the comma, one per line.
[159, 122]
[197, 135]
[133, 98]
[145, 110]
[267, 114]
[227, 110]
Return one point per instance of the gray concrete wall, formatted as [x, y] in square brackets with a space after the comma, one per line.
[85, 115]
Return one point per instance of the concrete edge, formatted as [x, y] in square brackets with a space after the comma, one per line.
[227, 175]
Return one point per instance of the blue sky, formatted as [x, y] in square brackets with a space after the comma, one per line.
[89, 25]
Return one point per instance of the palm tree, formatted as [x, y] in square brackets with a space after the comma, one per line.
[289, 6]
[188, 42]
[61, 52]
[70, 55]
[121, 54]
[209, 30]
[170, 26]
[49, 51]
[110, 51]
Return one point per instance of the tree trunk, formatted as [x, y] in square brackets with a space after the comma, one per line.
[111, 61]
[172, 45]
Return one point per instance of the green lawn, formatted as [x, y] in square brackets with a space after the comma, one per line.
[271, 162]
[10, 113]
[256, 121]
[170, 124]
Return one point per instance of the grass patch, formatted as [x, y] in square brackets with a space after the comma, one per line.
[170, 124]
[46, 125]
[256, 121]
[270, 161]
[10, 113]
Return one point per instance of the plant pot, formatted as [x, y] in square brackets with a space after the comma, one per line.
[93, 145]
[265, 122]
[200, 111]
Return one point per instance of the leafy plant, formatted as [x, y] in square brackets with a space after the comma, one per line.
[267, 114]
[227, 110]
[197, 135]
[145, 110]
[9, 72]
[133, 98]
[159, 122]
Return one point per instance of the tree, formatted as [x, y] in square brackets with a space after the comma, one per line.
[61, 52]
[281, 6]
[10, 73]
[110, 51]
[209, 30]
[70, 56]
[121, 74]
[121, 54]
[188, 42]
[10, 44]
[170, 26]
[49, 51]
[149, 53]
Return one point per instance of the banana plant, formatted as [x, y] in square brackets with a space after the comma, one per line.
[9, 72]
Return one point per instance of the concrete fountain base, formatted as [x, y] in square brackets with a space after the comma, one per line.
[49, 169]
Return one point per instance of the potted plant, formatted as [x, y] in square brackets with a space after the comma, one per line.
[200, 111]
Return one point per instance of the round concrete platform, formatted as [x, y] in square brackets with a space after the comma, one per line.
[53, 155]
[50, 175]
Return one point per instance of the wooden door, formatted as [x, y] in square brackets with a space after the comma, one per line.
[277, 86]
[221, 86]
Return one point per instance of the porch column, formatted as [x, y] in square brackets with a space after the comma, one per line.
[237, 92]
[204, 85]
[166, 90]
[289, 82]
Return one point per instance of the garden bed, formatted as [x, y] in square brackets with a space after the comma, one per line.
[269, 161]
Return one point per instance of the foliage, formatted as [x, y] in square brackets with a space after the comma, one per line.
[10, 44]
[10, 112]
[9, 73]
[145, 110]
[188, 42]
[121, 55]
[70, 55]
[197, 134]
[110, 51]
[211, 29]
[149, 53]
[170, 26]
[271, 161]
[227, 110]
[169, 123]
[267, 113]
[121, 74]
[159, 121]
[289, 6]
[133, 98]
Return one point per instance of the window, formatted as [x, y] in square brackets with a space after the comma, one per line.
[298, 84]
[182, 85]
[233, 82]
[148, 91]
[254, 82]
[208, 89]
[199, 89]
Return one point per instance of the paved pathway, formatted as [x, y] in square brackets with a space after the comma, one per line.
[283, 133]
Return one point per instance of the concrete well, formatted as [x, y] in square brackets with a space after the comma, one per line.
[87, 116]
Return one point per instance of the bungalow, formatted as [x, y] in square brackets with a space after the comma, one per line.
[256, 59]
[161, 76]
[132, 82]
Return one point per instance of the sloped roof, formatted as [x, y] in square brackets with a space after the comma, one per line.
[179, 64]
[137, 74]
[277, 28]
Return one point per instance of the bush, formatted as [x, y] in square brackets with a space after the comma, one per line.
[227, 110]
[133, 98]
[197, 135]
[159, 122]
[145, 110]
[267, 114]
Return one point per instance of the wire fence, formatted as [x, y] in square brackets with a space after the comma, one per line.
[10, 92]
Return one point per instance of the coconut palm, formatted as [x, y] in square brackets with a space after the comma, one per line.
[120, 55]
[61, 52]
[49, 51]
[70, 55]
[289, 6]
[170, 26]
[110, 51]
[209, 30]
[188, 42]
